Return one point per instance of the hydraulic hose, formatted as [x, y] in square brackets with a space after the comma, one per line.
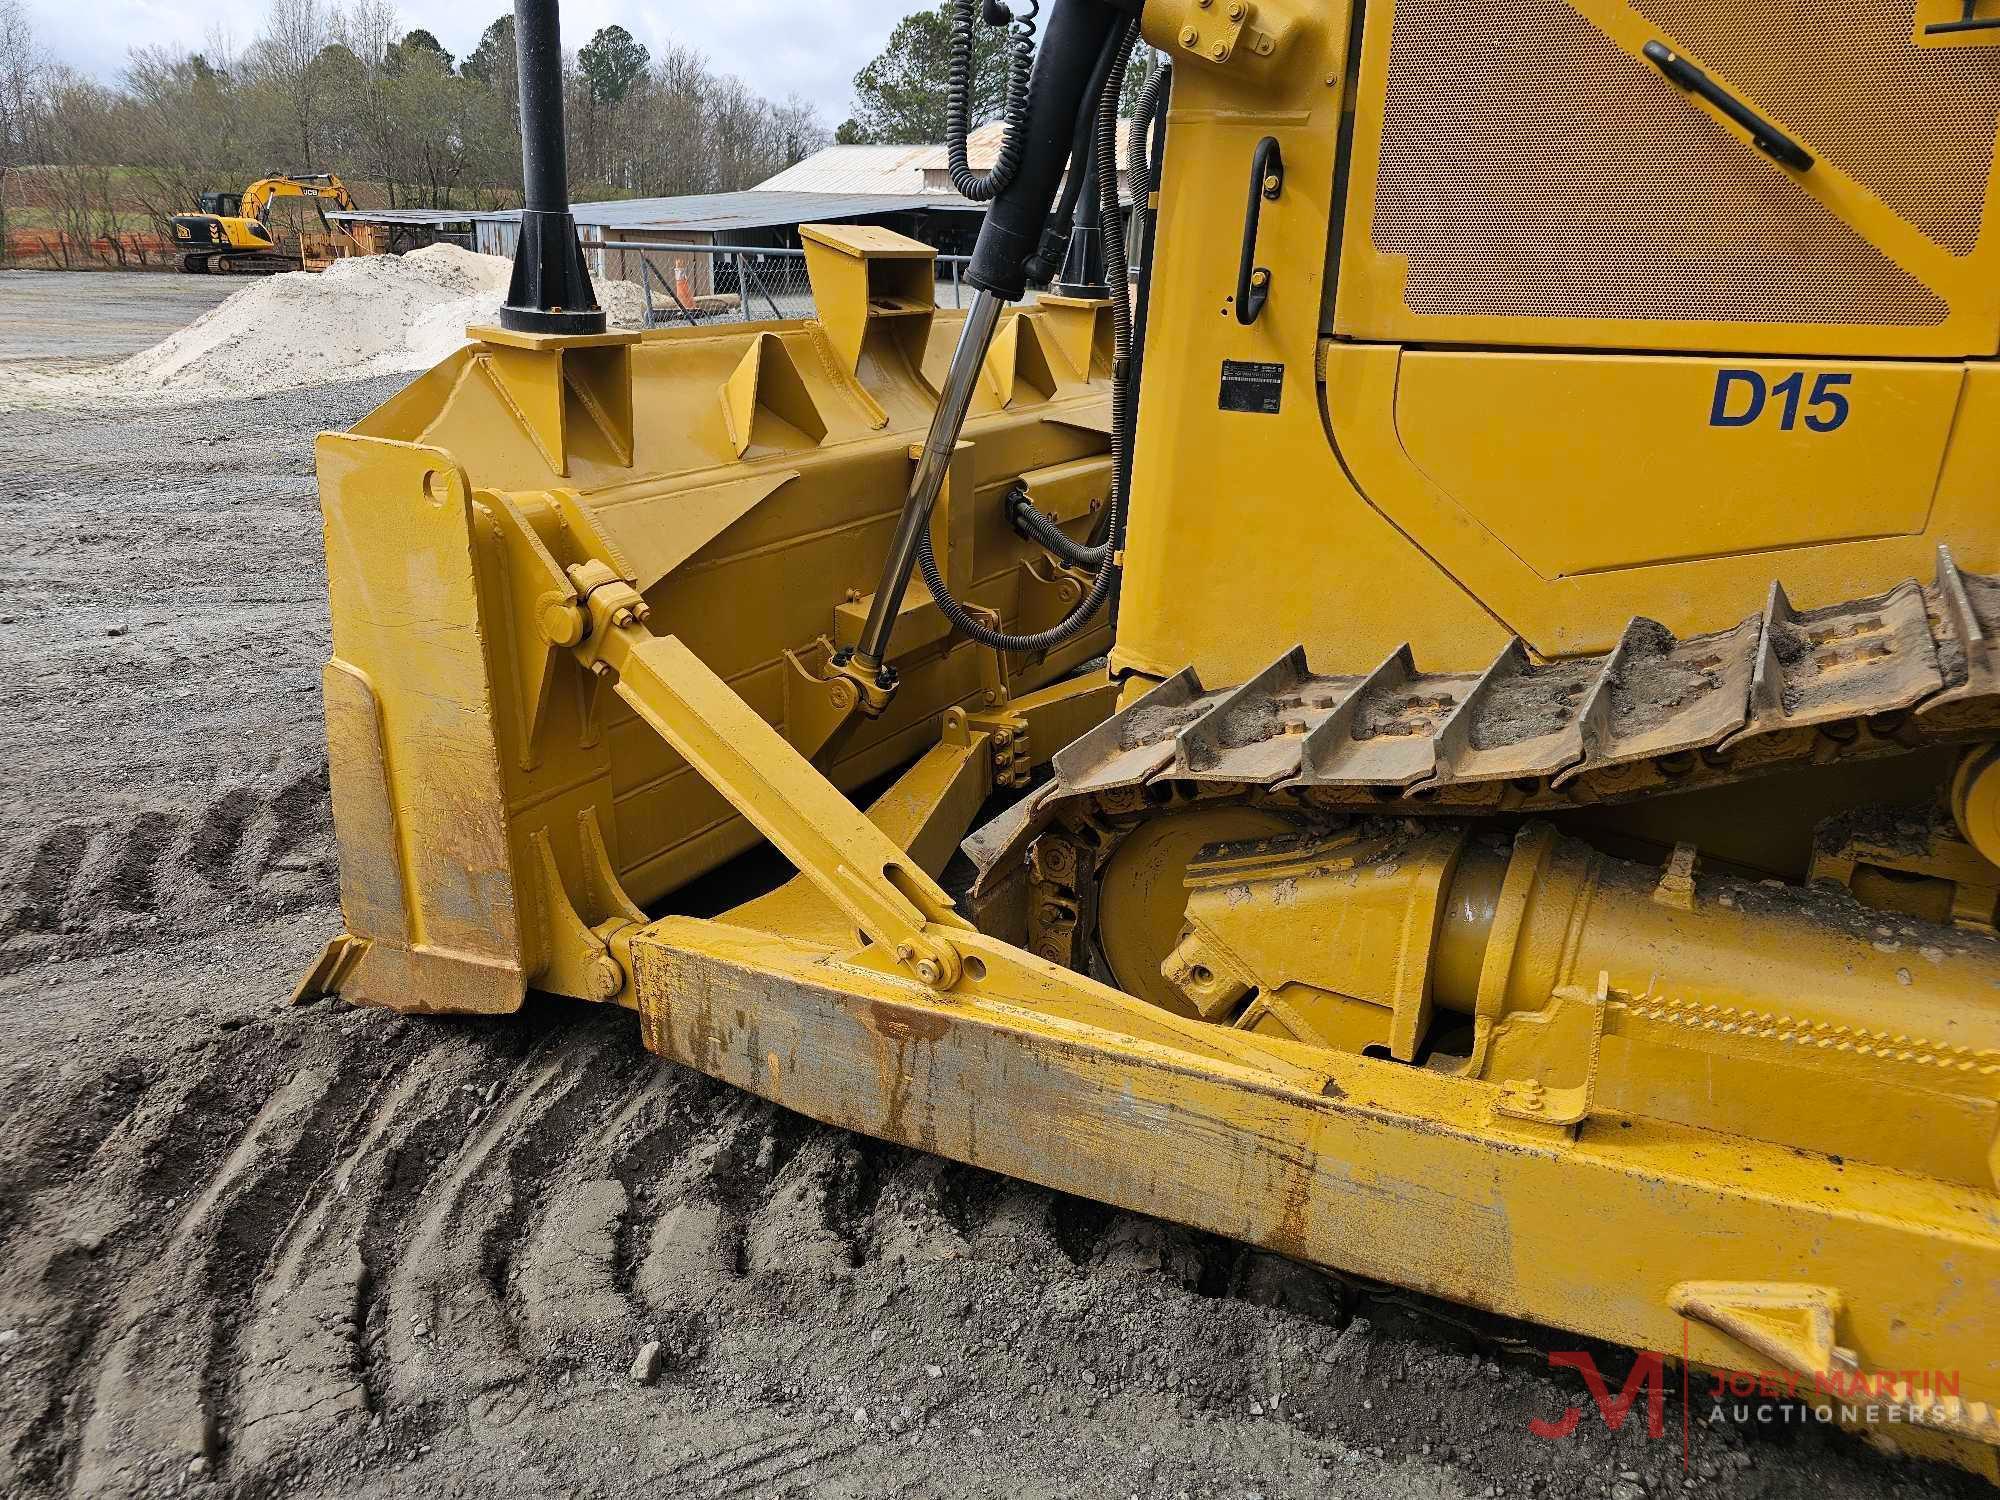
[1147, 145]
[1138, 148]
[982, 187]
[1032, 525]
[1059, 96]
[1118, 273]
[1047, 262]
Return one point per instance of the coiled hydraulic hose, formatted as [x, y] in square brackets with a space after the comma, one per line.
[982, 187]
[1151, 98]
[1119, 274]
[1144, 146]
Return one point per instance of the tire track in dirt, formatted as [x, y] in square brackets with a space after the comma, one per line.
[138, 1170]
[448, 1346]
[768, 1459]
[543, 1197]
[99, 886]
[300, 1370]
[153, 1402]
[570, 1289]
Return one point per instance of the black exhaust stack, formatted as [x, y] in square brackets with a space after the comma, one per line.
[1083, 271]
[551, 290]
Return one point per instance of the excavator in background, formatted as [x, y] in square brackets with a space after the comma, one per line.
[232, 231]
[1450, 728]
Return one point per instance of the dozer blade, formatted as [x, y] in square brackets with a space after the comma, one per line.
[500, 811]
[1397, 1174]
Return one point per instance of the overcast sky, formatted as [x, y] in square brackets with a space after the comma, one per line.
[809, 47]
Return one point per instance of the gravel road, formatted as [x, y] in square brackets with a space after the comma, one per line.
[253, 1251]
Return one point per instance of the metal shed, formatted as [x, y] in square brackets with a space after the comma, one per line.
[754, 218]
[396, 231]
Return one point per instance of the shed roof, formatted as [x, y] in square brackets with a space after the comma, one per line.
[755, 209]
[404, 215]
[851, 169]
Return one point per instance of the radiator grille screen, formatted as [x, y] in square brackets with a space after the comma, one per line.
[1916, 125]
[1531, 168]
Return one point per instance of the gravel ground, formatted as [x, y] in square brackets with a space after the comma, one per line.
[70, 316]
[253, 1251]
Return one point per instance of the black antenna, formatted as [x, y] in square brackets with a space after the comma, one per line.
[551, 290]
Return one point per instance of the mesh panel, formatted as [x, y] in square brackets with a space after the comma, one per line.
[1914, 124]
[1531, 168]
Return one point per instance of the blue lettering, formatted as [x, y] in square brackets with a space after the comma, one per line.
[1719, 414]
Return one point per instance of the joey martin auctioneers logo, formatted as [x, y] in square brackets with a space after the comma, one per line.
[1748, 1397]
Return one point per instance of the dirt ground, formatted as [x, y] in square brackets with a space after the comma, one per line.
[248, 1250]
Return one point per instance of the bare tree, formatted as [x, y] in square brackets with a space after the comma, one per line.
[83, 130]
[21, 69]
[287, 61]
[184, 130]
[427, 104]
[798, 131]
[368, 32]
[669, 144]
[493, 114]
[689, 130]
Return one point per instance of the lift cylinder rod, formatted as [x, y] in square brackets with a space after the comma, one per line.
[954, 399]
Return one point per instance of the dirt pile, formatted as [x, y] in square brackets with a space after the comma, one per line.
[365, 316]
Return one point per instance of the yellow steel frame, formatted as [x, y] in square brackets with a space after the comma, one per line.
[1390, 1172]
[945, 1038]
[877, 1007]
[500, 813]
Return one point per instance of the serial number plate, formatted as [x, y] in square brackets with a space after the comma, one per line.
[1251, 385]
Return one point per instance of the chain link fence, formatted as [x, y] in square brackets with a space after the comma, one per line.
[689, 285]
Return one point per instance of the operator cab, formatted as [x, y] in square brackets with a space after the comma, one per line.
[225, 205]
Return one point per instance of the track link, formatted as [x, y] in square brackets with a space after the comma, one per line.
[1912, 667]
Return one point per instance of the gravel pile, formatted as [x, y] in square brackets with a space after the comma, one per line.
[365, 316]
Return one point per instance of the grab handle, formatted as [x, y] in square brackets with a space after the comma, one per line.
[1765, 136]
[1267, 180]
[1969, 19]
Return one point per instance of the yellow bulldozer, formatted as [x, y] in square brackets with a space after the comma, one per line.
[232, 231]
[1442, 718]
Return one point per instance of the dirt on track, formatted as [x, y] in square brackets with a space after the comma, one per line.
[249, 1250]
